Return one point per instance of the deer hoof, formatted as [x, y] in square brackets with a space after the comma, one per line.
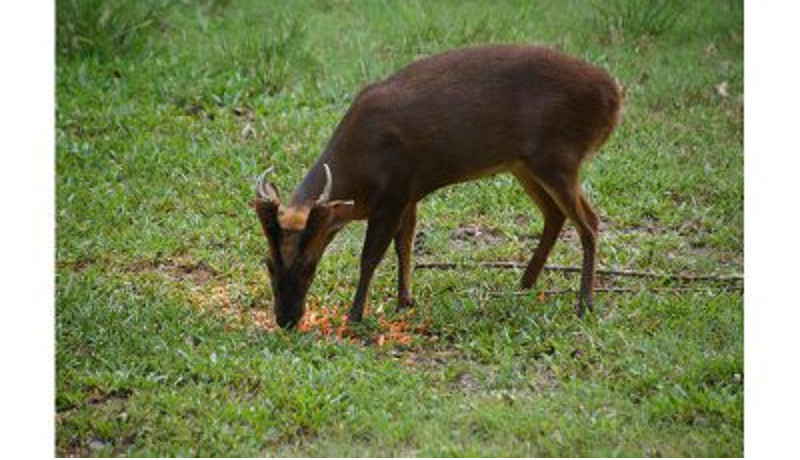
[583, 305]
[405, 303]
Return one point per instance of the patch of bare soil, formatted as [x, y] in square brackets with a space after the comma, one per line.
[645, 226]
[476, 234]
[175, 268]
[421, 244]
[180, 269]
[183, 270]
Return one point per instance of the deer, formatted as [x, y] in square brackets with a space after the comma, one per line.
[473, 112]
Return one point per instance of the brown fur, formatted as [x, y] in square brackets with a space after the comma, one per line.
[453, 117]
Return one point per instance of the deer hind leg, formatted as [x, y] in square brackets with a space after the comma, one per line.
[563, 187]
[553, 223]
[403, 245]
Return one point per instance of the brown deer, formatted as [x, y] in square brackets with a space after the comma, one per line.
[449, 118]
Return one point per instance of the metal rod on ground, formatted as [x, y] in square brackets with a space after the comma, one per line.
[600, 271]
[617, 290]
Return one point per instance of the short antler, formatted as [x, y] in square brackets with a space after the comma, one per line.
[325, 196]
[266, 191]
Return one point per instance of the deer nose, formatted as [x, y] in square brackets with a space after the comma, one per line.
[286, 322]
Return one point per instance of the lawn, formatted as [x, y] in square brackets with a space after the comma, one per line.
[165, 342]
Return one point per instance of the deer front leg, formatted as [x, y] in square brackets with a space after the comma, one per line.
[403, 245]
[382, 226]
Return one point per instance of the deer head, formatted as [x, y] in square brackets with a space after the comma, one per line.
[297, 236]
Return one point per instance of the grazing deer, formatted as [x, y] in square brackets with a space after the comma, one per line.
[449, 118]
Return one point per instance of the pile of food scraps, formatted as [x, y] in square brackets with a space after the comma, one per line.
[321, 320]
[328, 323]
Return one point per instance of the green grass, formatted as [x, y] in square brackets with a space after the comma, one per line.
[156, 241]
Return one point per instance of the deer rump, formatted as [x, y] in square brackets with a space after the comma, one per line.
[449, 118]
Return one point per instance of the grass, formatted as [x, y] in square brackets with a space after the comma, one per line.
[162, 301]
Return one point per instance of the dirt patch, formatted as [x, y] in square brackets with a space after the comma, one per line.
[468, 382]
[421, 244]
[176, 269]
[476, 234]
[194, 272]
[98, 396]
[77, 265]
[645, 226]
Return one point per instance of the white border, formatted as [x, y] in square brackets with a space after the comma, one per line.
[28, 225]
[27, 83]
[771, 217]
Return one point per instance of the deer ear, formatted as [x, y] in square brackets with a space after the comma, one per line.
[324, 220]
[266, 204]
[267, 212]
[340, 213]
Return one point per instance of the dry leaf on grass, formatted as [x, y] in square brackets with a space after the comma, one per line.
[722, 89]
